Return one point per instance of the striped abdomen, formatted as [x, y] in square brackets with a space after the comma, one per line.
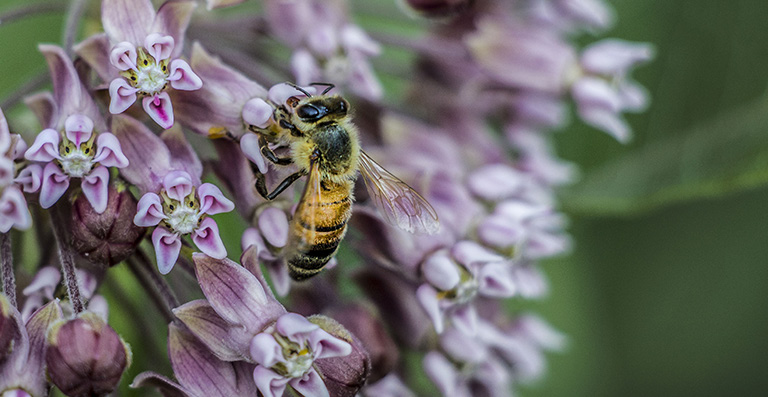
[316, 230]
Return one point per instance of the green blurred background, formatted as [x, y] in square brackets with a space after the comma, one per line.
[666, 290]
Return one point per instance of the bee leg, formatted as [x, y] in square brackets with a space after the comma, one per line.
[270, 155]
[261, 184]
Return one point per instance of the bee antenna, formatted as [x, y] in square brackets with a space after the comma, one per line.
[329, 86]
[303, 91]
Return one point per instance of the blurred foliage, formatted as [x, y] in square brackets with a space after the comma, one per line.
[669, 298]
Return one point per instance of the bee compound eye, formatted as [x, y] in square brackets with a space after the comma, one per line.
[309, 112]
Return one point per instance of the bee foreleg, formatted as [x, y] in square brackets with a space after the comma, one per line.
[261, 184]
[270, 155]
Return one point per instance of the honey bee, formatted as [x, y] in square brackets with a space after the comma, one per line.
[325, 146]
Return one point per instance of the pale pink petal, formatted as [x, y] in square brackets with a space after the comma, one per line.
[121, 95]
[95, 51]
[279, 93]
[268, 382]
[468, 252]
[78, 128]
[311, 384]
[182, 77]
[441, 372]
[99, 305]
[214, 4]
[30, 178]
[324, 40]
[273, 225]
[20, 148]
[304, 67]
[55, 183]
[294, 326]
[149, 211]
[496, 280]
[87, 283]
[440, 271]
[278, 273]
[207, 238]
[167, 248]
[177, 185]
[159, 46]
[183, 155]
[172, 19]
[95, 187]
[428, 299]
[252, 237]
[355, 39]
[249, 144]
[148, 157]
[109, 152]
[325, 345]
[44, 282]
[212, 200]
[13, 210]
[45, 147]
[7, 169]
[257, 112]
[70, 95]
[127, 20]
[160, 109]
[123, 56]
[464, 318]
[265, 350]
[5, 134]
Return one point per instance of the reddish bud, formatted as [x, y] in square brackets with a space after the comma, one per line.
[344, 376]
[85, 356]
[111, 236]
[9, 327]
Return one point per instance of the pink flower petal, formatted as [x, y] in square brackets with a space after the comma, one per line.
[251, 148]
[183, 155]
[55, 183]
[428, 299]
[257, 112]
[207, 238]
[304, 67]
[464, 318]
[95, 187]
[7, 168]
[496, 280]
[252, 237]
[78, 128]
[70, 95]
[325, 345]
[278, 273]
[30, 178]
[159, 46]
[127, 20]
[212, 200]
[45, 147]
[109, 152]
[121, 95]
[13, 210]
[182, 77]
[295, 327]
[123, 56]
[149, 211]
[20, 148]
[279, 93]
[310, 385]
[273, 225]
[160, 109]
[442, 373]
[440, 271]
[265, 350]
[148, 157]
[167, 248]
[268, 382]
[172, 19]
[177, 185]
[5, 134]
[44, 282]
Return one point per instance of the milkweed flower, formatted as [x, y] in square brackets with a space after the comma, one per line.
[139, 56]
[168, 171]
[15, 179]
[75, 143]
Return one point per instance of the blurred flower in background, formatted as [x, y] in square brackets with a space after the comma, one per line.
[465, 118]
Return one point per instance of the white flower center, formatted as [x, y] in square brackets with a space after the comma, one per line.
[76, 163]
[151, 78]
[466, 290]
[183, 220]
[298, 363]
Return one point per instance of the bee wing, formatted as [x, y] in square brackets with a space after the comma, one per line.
[400, 205]
[307, 208]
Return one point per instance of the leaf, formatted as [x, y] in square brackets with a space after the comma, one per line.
[723, 156]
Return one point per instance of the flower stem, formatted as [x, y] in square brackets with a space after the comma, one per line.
[160, 284]
[67, 259]
[33, 84]
[74, 15]
[9, 280]
[30, 10]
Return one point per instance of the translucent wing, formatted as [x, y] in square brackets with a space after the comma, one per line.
[306, 210]
[400, 205]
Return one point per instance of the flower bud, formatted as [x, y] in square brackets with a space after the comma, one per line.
[111, 236]
[85, 356]
[343, 375]
[9, 328]
[437, 8]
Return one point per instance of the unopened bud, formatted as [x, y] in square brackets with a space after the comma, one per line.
[85, 356]
[111, 236]
[9, 328]
[345, 375]
[438, 9]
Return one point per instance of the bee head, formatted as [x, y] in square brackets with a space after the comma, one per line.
[317, 107]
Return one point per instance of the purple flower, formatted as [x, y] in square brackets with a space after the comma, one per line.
[167, 171]
[13, 179]
[270, 237]
[143, 48]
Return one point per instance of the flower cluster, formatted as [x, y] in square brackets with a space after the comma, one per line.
[219, 134]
